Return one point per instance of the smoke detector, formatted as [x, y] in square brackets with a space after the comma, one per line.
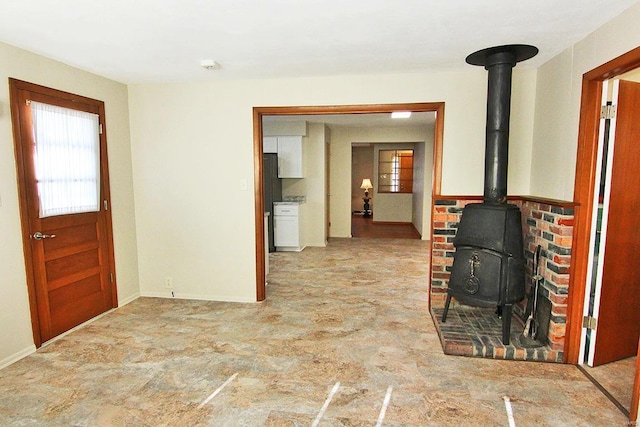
[209, 64]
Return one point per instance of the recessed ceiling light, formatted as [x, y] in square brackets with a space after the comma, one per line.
[401, 114]
[209, 64]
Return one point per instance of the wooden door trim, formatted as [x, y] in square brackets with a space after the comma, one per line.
[258, 112]
[583, 191]
[15, 86]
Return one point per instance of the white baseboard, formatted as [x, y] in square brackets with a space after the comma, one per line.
[129, 299]
[17, 356]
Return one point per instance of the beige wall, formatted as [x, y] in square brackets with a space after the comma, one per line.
[16, 338]
[192, 148]
[422, 186]
[557, 107]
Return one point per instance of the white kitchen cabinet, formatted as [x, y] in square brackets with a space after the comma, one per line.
[290, 157]
[287, 227]
[270, 144]
[290, 154]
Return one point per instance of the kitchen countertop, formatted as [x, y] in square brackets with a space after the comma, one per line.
[292, 200]
[289, 203]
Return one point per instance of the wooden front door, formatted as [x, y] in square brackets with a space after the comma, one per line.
[618, 326]
[68, 256]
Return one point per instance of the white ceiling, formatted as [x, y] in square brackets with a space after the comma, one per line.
[136, 41]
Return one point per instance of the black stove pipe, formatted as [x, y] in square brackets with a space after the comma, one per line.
[499, 62]
[488, 266]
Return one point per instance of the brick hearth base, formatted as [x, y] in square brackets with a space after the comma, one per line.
[477, 332]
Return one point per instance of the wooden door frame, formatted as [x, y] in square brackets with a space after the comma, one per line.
[15, 86]
[586, 159]
[259, 112]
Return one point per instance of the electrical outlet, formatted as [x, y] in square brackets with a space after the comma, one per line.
[168, 282]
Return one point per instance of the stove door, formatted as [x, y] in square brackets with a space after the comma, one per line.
[484, 278]
[476, 276]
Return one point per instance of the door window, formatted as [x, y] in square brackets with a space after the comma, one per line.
[66, 160]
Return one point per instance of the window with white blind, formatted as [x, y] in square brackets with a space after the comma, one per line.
[67, 159]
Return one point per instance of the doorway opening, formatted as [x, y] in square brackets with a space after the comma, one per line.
[260, 112]
[390, 191]
[586, 195]
[609, 350]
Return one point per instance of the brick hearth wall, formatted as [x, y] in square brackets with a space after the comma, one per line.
[544, 222]
[446, 216]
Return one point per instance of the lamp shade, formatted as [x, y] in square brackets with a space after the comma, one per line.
[366, 184]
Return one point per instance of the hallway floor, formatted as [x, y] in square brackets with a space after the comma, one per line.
[367, 227]
[344, 339]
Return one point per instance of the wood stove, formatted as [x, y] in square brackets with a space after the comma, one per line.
[488, 265]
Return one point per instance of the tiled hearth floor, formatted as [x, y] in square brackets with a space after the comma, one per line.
[477, 331]
[343, 339]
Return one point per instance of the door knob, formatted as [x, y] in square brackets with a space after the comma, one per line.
[39, 236]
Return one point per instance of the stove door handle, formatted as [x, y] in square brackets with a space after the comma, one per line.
[474, 261]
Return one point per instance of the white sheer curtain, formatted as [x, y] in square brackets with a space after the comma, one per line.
[67, 159]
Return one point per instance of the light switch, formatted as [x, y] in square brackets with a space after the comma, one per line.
[244, 185]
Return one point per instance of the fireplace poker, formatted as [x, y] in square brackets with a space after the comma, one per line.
[531, 325]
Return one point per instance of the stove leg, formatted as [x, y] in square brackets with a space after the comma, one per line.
[446, 308]
[506, 323]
